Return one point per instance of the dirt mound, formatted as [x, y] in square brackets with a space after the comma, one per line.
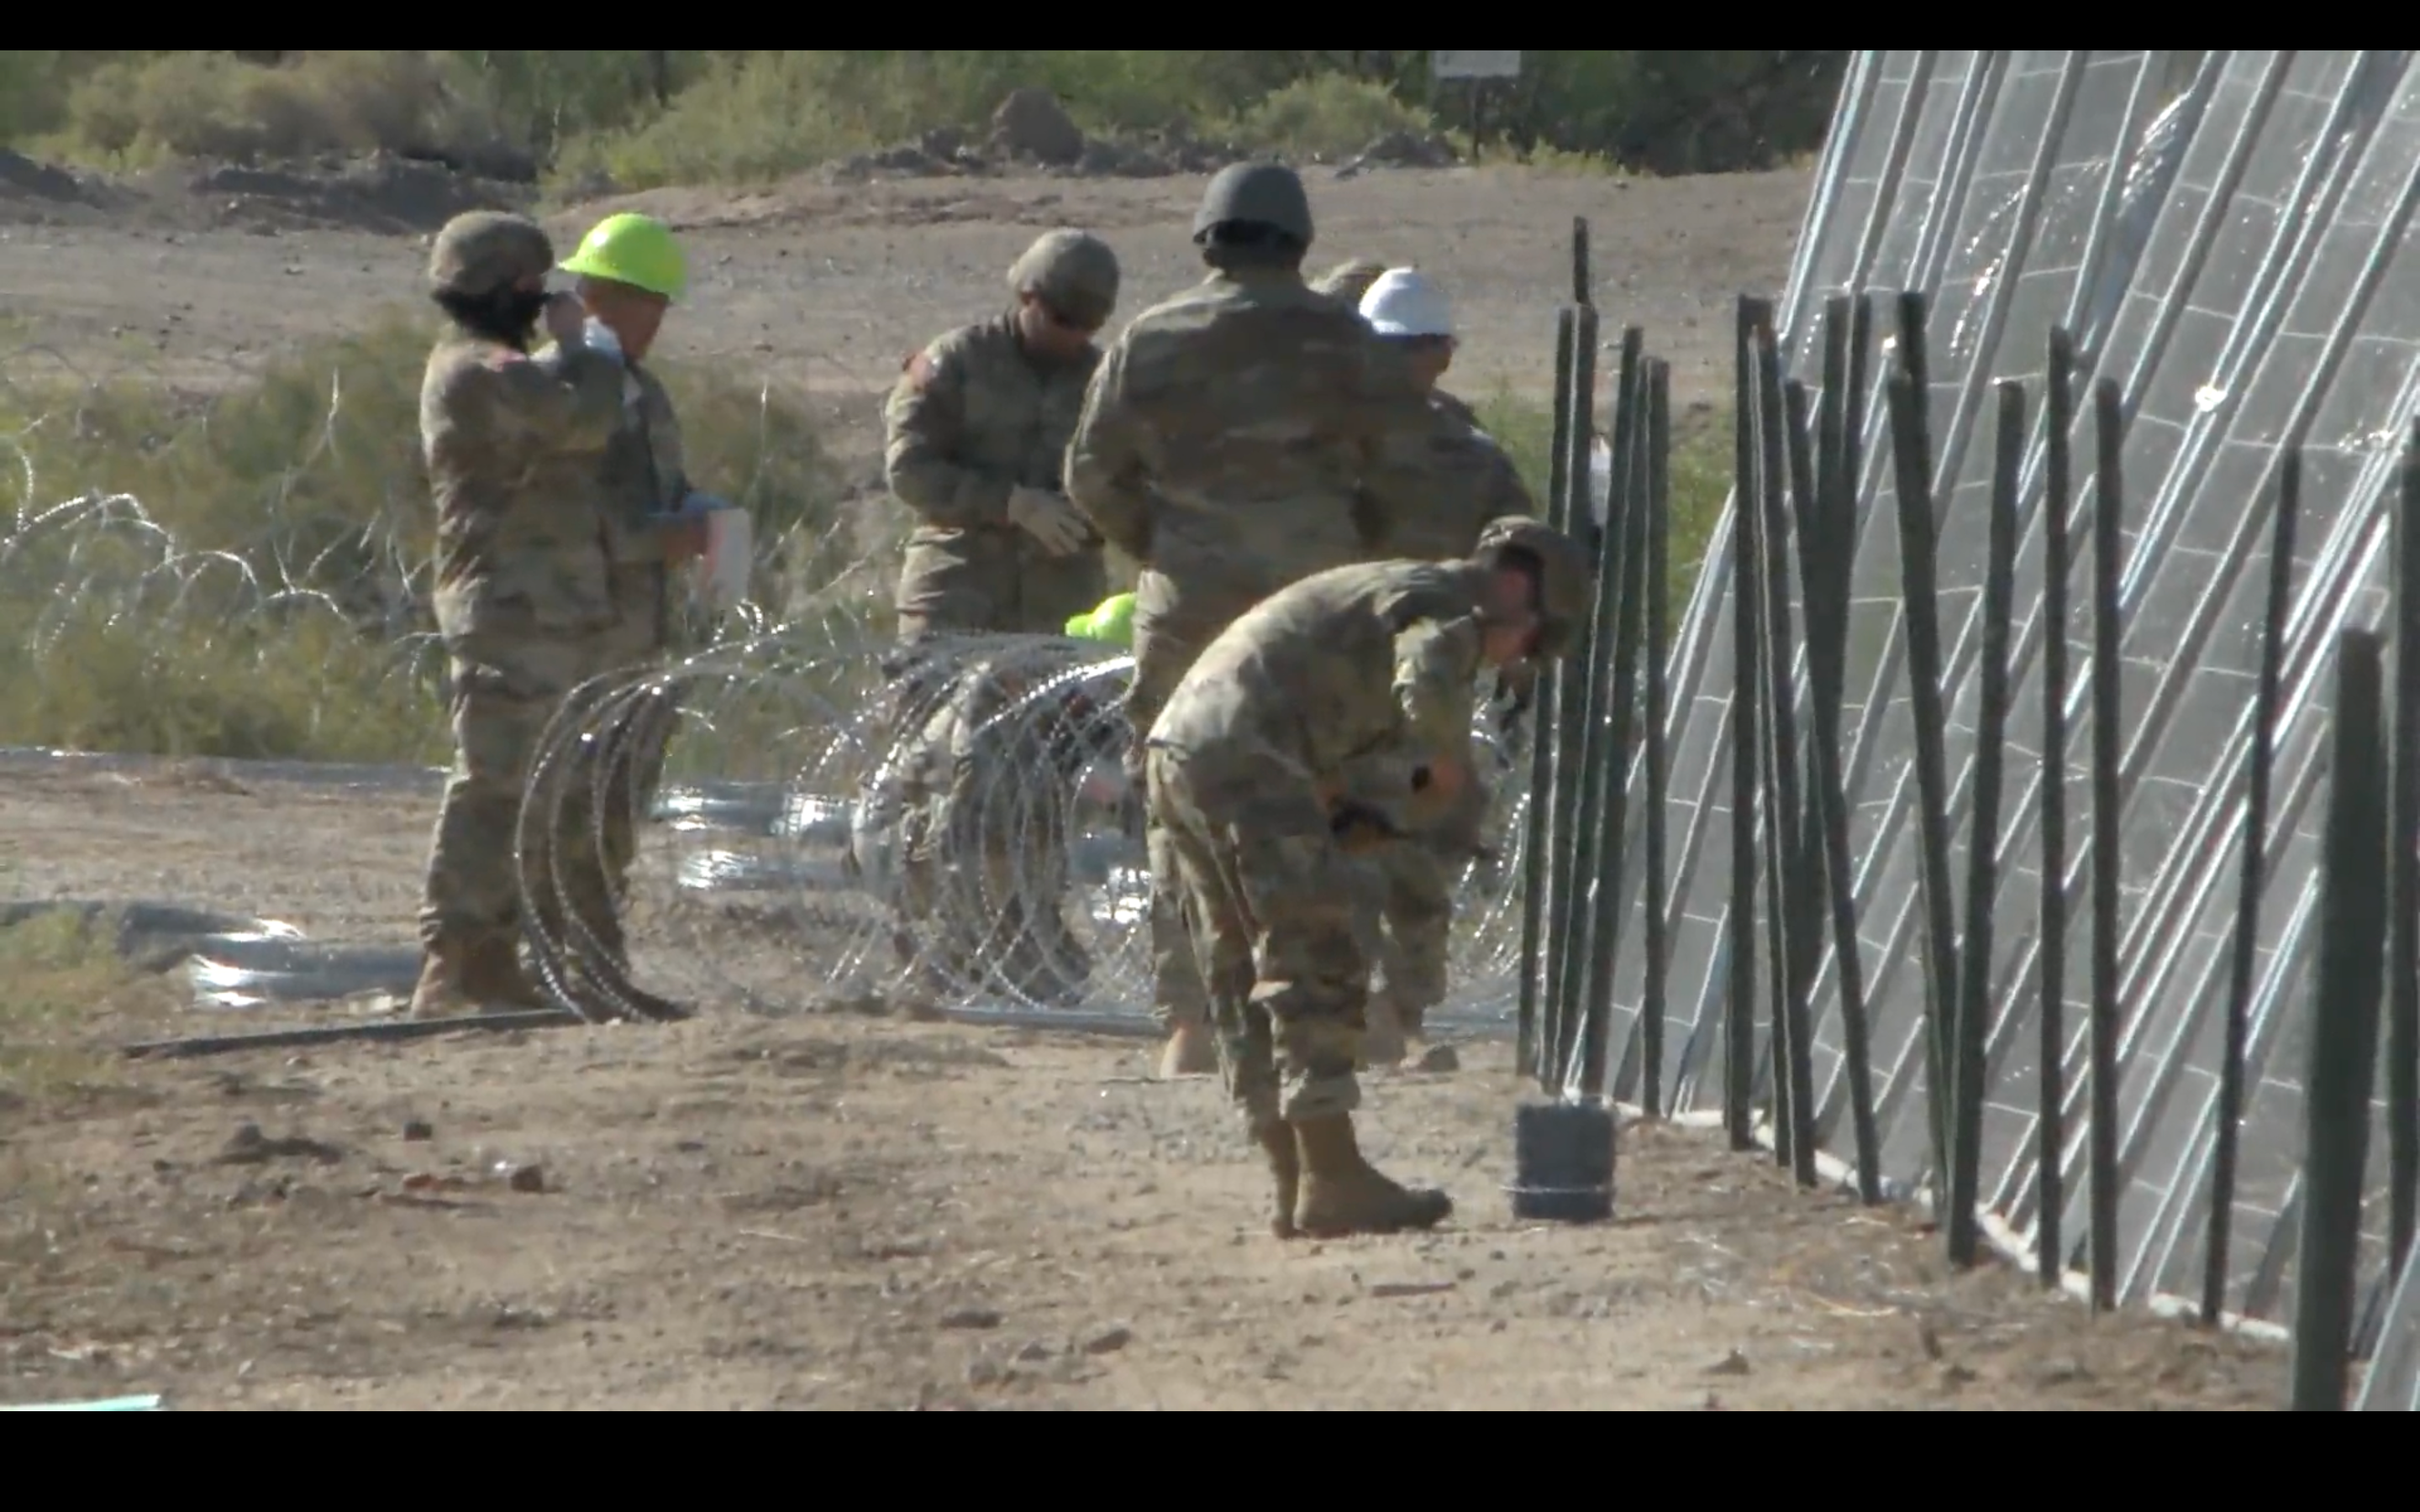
[33, 194]
[1031, 123]
[383, 193]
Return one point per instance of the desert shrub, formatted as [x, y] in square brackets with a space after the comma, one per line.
[655, 117]
[1326, 116]
[246, 576]
[170, 106]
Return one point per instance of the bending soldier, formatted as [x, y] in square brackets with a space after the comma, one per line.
[1224, 445]
[1453, 479]
[1258, 799]
[524, 596]
[975, 433]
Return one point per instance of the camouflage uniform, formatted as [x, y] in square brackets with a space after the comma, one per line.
[643, 481]
[524, 594]
[1453, 479]
[1224, 445]
[974, 416]
[1245, 787]
[982, 791]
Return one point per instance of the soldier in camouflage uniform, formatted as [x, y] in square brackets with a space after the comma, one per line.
[525, 596]
[1225, 446]
[630, 271]
[1456, 479]
[975, 432]
[1334, 714]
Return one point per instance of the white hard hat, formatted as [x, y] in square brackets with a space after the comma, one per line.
[1405, 303]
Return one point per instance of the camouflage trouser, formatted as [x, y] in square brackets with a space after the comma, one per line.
[1270, 902]
[504, 691]
[1165, 649]
[1022, 592]
[599, 791]
[1406, 920]
[972, 913]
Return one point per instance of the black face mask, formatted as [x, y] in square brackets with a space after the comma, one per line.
[508, 316]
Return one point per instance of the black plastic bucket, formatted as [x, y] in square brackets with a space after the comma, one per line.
[1562, 1161]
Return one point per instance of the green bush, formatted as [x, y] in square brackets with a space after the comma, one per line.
[247, 576]
[648, 118]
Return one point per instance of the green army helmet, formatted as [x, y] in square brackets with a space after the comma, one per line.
[1074, 273]
[478, 253]
[1564, 573]
[1255, 194]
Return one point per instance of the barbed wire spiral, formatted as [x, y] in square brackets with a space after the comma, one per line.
[941, 829]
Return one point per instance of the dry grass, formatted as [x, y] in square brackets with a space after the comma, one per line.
[250, 577]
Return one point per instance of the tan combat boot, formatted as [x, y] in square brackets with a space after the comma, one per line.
[492, 979]
[1190, 1052]
[1342, 1193]
[438, 993]
[1276, 1139]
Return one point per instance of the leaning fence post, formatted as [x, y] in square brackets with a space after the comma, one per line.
[2344, 1027]
[2403, 1001]
[2108, 830]
[2229, 1116]
[1739, 1016]
[2050, 1138]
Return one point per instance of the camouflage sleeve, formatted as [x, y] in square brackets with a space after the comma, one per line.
[1437, 667]
[1106, 479]
[1394, 431]
[924, 426]
[1501, 492]
[670, 458]
[569, 403]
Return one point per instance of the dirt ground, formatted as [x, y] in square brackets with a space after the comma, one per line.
[832, 287]
[840, 1211]
[827, 1211]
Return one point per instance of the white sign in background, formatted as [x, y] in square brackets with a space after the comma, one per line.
[1475, 64]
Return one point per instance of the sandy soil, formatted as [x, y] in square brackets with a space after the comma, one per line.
[825, 1210]
[830, 1210]
[833, 287]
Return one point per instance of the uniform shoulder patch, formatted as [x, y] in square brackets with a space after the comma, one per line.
[919, 368]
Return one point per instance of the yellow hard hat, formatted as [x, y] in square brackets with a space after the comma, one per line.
[1112, 622]
[637, 250]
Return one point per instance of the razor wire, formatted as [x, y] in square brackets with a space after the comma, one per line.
[944, 828]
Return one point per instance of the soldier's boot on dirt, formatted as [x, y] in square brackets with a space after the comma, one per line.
[438, 993]
[1343, 1194]
[1277, 1141]
[1189, 1051]
[492, 978]
[1383, 1042]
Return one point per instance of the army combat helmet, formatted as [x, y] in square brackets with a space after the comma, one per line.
[1255, 194]
[485, 252]
[1563, 575]
[1074, 273]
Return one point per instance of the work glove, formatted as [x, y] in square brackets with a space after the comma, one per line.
[598, 337]
[1049, 518]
